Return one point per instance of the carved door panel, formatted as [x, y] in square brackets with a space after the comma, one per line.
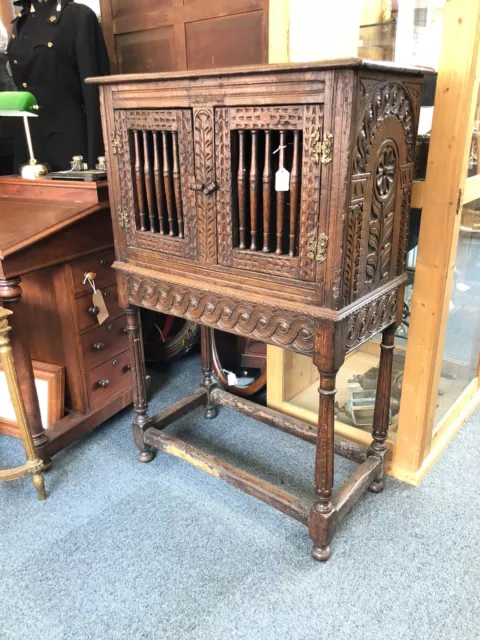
[261, 228]
[154, 149]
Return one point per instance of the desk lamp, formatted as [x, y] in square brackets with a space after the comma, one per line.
[23, 104]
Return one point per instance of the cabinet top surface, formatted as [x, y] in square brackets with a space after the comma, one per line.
[344, 63]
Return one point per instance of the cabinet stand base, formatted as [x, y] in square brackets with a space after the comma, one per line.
[370, 468]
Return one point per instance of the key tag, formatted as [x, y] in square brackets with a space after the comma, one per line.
[97, 298]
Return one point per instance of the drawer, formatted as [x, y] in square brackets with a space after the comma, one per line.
[86, 313]
[101, 264]
[109, 379]
[104, 342]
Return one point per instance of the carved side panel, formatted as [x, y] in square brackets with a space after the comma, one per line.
[383, 155]
[382, 215]
[205, 175]
[282, 328]
[371, 319]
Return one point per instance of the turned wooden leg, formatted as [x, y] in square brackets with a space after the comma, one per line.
[140, 404]
[381, 415]
[328, 357]
[10, 297]
[209, 382]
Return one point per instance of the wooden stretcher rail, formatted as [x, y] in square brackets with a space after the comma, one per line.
[285, 502]
[298, 428]
[356, 485]
[181, 408]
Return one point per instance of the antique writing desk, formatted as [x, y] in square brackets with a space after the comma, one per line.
[202, 232]
[51, 233]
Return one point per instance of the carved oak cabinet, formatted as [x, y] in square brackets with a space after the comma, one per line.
[203, 231]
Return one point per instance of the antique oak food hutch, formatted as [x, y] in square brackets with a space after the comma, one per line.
[209, 226]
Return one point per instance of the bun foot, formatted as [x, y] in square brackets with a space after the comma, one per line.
[146, 456]
[377, 486]
[211, 412]
[321, 554]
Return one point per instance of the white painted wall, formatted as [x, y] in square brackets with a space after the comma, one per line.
[323, 29]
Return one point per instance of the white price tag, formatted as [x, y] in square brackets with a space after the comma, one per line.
[282, 180]
[232, 379]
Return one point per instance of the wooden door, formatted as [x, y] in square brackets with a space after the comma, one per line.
[262, 228]
[156, 169]
[169, 35]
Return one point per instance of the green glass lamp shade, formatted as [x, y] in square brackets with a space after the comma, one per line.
[18, 103]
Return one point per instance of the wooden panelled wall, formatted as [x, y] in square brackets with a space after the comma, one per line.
[169, 35]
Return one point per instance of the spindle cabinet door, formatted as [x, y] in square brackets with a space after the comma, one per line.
[156, 169]
[261, 228]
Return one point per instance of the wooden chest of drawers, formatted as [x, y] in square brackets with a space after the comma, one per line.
[273, 203]
[55, 233]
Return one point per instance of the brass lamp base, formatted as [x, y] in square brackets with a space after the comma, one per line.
[33, 170]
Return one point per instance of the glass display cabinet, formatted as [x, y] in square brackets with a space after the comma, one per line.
[436, 360]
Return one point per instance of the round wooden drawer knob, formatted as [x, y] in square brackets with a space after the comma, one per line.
[94, 310]
[103, 384]
[99, 346]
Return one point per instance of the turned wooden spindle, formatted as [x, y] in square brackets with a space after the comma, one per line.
[242, 189]
[140, 182]
[176, 184]
[281, 195]
[159, 189]
[254, 176]
[149, 184]
[267, 191]
[167, 179]
[294, 193]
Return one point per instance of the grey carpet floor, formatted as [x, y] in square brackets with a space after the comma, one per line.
[122, 550]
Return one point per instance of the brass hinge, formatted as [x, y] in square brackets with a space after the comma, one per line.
[122, 217]
[317, 247]
[459, 201]
[321, 148]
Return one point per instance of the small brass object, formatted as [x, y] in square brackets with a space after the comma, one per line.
[317, 247]
[122, 218]
[33, 170]
[321, 147]
[50, 45]
[53, 18]
[24, 85]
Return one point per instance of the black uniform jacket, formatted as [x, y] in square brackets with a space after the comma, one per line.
[52, 60]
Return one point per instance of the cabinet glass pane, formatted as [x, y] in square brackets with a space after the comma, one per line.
[462, 339]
